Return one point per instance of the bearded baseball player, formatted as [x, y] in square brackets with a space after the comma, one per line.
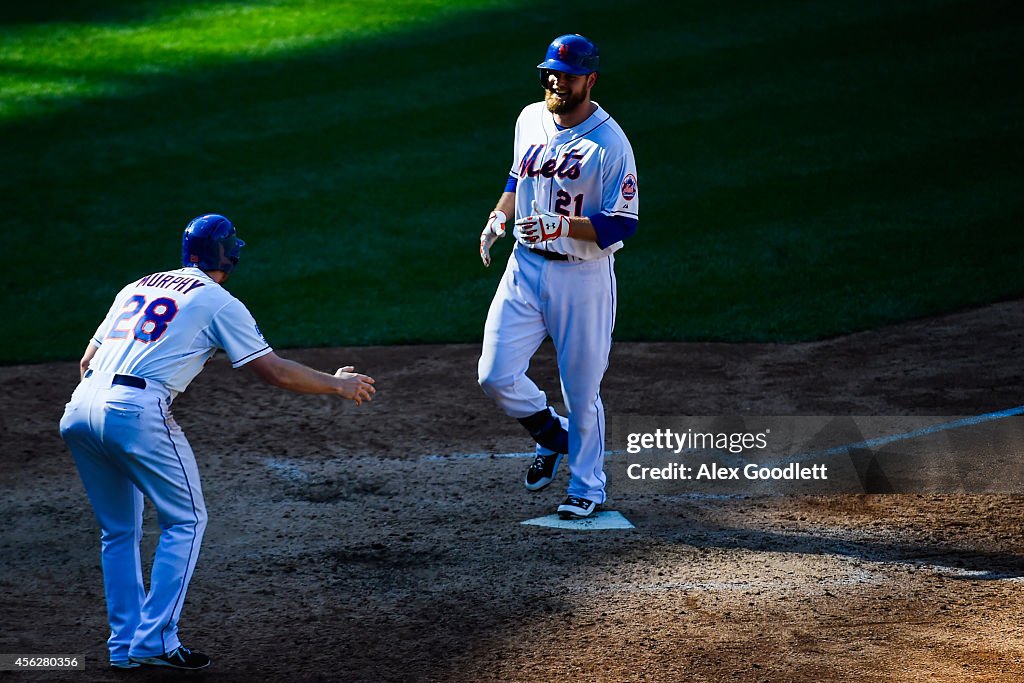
[573, 193]
[157, 336]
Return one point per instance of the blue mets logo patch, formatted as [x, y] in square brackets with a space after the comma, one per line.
[628, 187]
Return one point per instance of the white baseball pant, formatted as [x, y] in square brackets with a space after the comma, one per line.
[574, 303]
[126, 445]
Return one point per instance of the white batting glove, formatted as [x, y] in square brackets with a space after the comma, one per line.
[542, 226]
[493, 230]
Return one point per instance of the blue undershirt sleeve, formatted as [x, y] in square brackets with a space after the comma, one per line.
[510, 184]
[611, 229]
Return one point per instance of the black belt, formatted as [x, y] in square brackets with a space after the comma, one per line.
[549, 255]
[124, 380]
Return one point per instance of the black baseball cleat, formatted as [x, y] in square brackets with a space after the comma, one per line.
[575, 507]
[542, 471]
[181, 658]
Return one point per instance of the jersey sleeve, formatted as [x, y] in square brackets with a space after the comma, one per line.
[235, 330]
[514, 170]
[612, 229]
[621, 194]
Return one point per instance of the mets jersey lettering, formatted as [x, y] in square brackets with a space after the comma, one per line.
[549, 169]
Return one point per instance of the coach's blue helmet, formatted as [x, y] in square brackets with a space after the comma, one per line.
[572, 54]
[210, 243]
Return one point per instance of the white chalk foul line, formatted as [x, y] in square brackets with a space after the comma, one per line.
[905, 436]
[828, 452]
[293, 473]
[478, 456]
[487, 456]
[286, 469]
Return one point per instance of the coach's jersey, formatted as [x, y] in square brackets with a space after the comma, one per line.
[165, 327]
[579, 171]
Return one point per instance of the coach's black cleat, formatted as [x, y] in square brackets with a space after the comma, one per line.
[542, 471]
[181, 658]
[575, 507]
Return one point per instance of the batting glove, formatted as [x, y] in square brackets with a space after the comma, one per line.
[493, 230]
[542, 226]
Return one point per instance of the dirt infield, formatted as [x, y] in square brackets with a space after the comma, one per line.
[339, 549]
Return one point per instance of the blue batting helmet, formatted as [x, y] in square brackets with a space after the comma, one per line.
[571, 54]
[210, 243]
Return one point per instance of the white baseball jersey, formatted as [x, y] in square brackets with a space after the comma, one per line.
[165, 326]
[579, 171]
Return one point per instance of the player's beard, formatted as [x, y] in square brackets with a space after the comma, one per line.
[557, 105]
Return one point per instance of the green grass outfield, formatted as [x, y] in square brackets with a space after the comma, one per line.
[806, 168]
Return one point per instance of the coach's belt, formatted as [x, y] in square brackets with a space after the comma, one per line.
[124, 380]
[549, 255]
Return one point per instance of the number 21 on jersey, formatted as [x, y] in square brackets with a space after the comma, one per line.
[151, 325]
[564, 199]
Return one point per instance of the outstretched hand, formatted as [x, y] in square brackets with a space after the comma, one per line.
[355, 387]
